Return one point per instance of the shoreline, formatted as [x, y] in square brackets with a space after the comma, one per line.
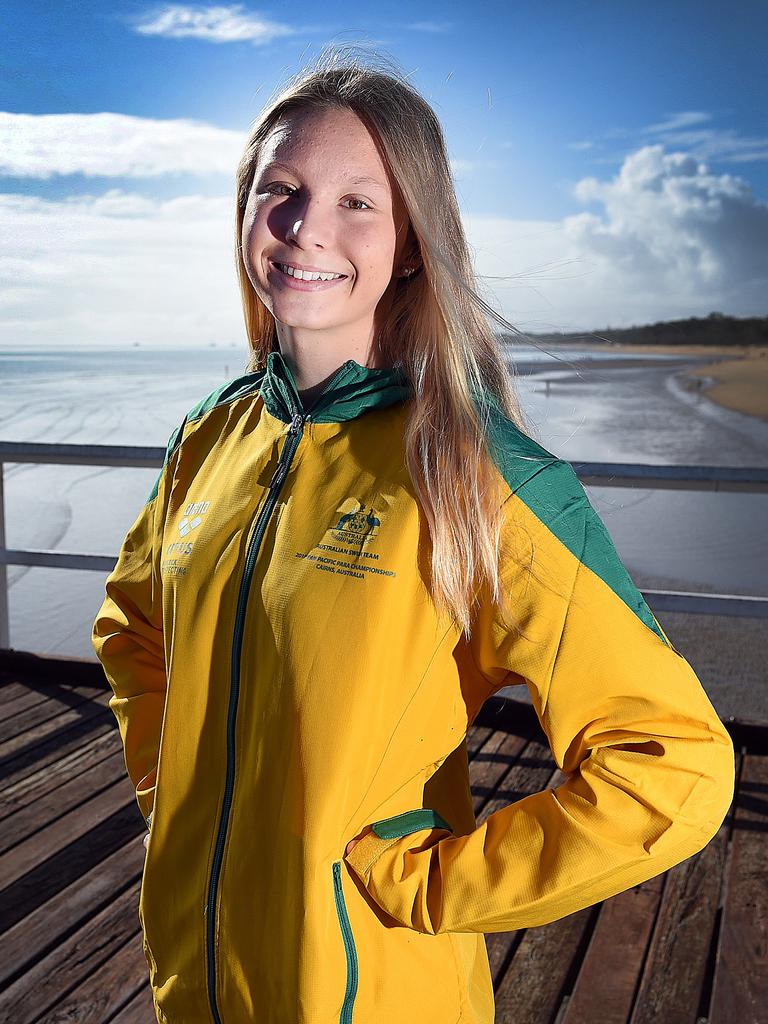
[735, 377]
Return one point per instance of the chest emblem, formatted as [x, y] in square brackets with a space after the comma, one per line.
[345, 549]
[356, 527]
[177, 550]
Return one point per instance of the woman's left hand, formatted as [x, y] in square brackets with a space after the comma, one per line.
[357, 839]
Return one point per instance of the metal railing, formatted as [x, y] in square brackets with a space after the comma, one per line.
[601, 474]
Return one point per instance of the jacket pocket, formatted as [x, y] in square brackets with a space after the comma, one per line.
[345, 1016]
[409, 821]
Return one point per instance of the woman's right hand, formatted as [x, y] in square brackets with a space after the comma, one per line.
[146, 840]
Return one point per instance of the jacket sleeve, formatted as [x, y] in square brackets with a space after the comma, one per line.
[127, 636]
[649, 764]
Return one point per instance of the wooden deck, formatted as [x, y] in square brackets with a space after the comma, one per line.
[687, 947]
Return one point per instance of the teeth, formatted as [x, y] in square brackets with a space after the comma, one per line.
[305, 275]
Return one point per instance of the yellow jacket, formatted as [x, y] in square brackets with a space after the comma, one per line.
[282, 679]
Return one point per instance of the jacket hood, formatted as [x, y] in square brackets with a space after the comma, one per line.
[351, 390]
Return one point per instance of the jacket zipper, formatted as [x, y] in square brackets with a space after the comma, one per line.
[278, 477]
[345, 1016]
[298, 419]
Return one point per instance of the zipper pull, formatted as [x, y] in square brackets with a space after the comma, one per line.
[277, 476]
[282, 466]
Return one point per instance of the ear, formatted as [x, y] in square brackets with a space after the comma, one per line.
[410, 265]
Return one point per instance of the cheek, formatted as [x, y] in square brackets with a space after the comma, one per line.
[255, 228]
[374, 252]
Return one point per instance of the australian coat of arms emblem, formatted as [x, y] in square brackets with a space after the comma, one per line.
[356, 527]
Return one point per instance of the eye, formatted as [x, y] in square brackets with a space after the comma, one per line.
[270, 188]
[355, 200]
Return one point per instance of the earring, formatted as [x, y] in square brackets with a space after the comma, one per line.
[408, 270]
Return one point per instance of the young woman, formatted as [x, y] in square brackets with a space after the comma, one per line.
[348, 549]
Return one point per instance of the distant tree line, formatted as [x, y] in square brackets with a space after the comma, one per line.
[714, 329]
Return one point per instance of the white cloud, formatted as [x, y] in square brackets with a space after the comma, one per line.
[682, 119]
[688, 131]
[118, 268]
[122, 146]
[670, 224]
[114, 145]
[214, 24]
[671, 240]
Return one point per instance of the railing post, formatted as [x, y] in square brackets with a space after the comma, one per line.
[5, 639]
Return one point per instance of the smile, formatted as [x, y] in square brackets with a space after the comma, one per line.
[289, 281]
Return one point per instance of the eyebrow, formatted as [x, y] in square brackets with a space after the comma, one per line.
[362, 179]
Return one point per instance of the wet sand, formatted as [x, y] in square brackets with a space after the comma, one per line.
[734, 377]
[740, 384]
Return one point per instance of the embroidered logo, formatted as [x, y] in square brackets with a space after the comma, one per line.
[191, 520]
[196, 509]
[355, 527]
[350, 536]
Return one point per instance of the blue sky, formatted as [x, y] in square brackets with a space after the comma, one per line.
[611, 159]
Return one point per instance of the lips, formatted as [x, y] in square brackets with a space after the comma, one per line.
[277, 264]
[283, 281]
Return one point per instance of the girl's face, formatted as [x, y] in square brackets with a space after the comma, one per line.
[321, 198]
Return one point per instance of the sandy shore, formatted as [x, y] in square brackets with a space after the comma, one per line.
[736, 377]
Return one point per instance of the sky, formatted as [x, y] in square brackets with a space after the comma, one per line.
[610, 158]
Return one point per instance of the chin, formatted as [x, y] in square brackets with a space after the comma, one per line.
[314, 323]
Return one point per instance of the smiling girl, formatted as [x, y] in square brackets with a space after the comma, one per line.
[375, 545]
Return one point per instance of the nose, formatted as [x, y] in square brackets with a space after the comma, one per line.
[312, 228]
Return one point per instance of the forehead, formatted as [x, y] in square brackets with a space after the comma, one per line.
[335, 143]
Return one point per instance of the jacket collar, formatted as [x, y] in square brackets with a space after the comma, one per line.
[352, 390]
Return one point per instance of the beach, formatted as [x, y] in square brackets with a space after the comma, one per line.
[735, 378]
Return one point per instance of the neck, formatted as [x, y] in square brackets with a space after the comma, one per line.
[312, 369]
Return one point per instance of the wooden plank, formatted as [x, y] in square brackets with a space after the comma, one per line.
[66, 829]
[140, 1010]
[491, 765]
[37, 784]
[43, 989]
[533, 985]
[55, 747]
[37, 817]
[740, 988]
[477, 735]
[58, 868]
[19, 698]
[12, 687]
[609, 972]
[75, 906]
[674, 976]
[28, 712]
[105, 992]
[54, 727]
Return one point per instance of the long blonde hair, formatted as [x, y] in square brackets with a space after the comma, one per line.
[436, 327]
